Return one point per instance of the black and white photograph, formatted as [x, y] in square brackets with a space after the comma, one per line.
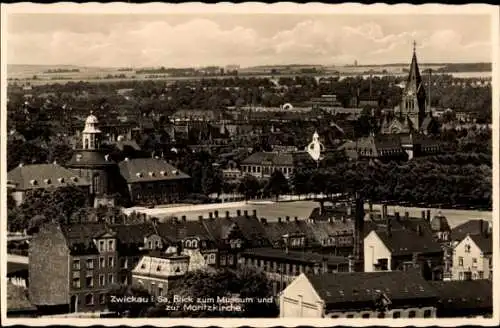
[231, 163]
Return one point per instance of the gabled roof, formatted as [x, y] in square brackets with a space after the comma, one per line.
[133, 233]
[80, 236]
[41, 176]
[149, 169]
[471, 227]
[276, 158]
[363, 286]
[407, 242]
[219, 228]
[276, 230]
[251, 228]
[179, 230]
[484, 242]
[464, 294]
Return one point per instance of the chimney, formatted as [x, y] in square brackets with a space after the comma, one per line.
[351, 262]
[296, 219]
[398, 217]
[254, 213]
[200, 217]
[407, 215]
[245, 212]
[227, 214]
[370, 206]
[279, 220]
[423, 215]
[263, 221]
[210, 215]
[287, 219]
[238, 212]
[183, 218]
[216, 213]
[429, 215]
[389, 226]
[384, 211]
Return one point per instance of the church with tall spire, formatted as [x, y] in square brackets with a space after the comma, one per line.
[413, 115]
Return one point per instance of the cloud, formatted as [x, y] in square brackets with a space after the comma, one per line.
[199, 42]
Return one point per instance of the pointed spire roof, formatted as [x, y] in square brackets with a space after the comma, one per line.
[414, 77]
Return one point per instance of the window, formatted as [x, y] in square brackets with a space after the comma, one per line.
[111, 245]
[102, 282]
[157, 244]
[89, 281]
[102, 299]
[102, 262]
[158, 268]
[396, 314]
[460, 276]
[76, 264]
[150, 245]
[110, 261]
[474, 262]
[195, 244]
[76, 274]
[160, 290]
[427, 313]
[111, 278]
[467, 248]
[90, 264]
[365, 315]
[89, 299]
[223, 260]
[101, 246]
[480, 274]
[76, 282]
[412, 314]
[350, 316]
[381, 315]
[461, 261]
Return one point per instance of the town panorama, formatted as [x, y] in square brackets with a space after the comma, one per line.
[358, 189]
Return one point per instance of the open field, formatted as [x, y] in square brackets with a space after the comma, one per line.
[302, 209]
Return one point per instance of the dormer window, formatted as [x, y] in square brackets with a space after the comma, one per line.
[47, 181]
[162, 173]
[139, 174]
[175, 172]
[74, 179]
[78, 157]
[33, 182]
[151, 174]
[60, 180]
[158, 268]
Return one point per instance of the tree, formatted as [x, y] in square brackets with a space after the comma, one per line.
[277, 184]
[58, 204]
[131, 308]
[249, 186]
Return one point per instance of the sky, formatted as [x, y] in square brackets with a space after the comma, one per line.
[187, 40]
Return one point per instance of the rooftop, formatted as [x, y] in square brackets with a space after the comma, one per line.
[149, 169]
[40, 176]
[464, 294]
[303, 257]
[365, 286]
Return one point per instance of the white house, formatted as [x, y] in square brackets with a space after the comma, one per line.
[472, 258]
[395, 294]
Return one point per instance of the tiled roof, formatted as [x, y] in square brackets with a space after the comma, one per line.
[297, 256]
[329, 213]
[251, 228]
[464, 294]
[363, 286]
[80, 236]
[484, 242]
[133, 233]
[471, 227]
[149, 169]
[407, 242]
[275, 230]
[219, 228]
[40, 176]
[177, 231]
[440, 223]
[86, 158]
[322, 230]
[17, 299]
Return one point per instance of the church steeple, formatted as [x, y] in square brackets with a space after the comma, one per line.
[91, 133]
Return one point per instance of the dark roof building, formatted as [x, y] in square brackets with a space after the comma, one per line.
[464, 298]
[471, 227]
[139, 170]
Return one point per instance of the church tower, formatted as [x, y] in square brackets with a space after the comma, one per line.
[414, 99]
[91, 163]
